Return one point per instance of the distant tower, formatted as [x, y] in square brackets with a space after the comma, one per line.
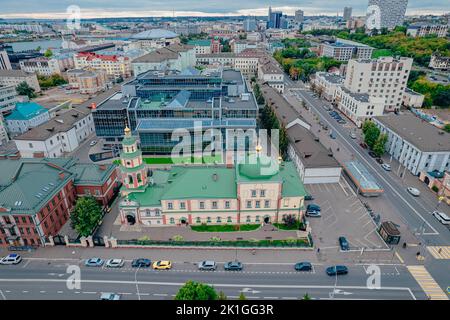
[134, 171]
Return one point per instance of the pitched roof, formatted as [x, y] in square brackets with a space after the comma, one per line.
[154, 34]
[26, 111]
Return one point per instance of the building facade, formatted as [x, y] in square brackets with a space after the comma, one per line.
[87, 81]
[416, 144]
[327, 83]
[16, 77]
[4, 61]
[384, 77]
[344, 50]
[8, 99]
[37, 196]
[423, 30]
[41, 66]
[115, 66]
[413, 99]
[439, 62]
[25, 116]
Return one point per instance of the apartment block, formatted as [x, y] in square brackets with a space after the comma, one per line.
[115, 66]
[4, 61]
[8, 99]
[385, 78]
[344, 50]
[439, 62]
[41, 66]
[423, 30]
[15, 77]
[87, 81]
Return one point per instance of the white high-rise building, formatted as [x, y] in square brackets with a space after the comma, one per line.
[385, 14]
[4, 61]
[299, 16]
[385, 77]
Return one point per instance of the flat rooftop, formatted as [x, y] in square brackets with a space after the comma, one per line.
[416, 131]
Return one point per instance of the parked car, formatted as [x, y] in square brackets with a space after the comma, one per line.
[312, 207]
[12, 258]
[93, 143]
[352, 135]
[303, 266]
[332, 135]
[162, 265]
[233, 266]
[386, 167]
[363, 145]
[309, 197]
[372, 154]
[115, 263]
[342, 121]
[141, 263]
[415, 192]
[207, 265]
[110, 296]
[94, 262]
[379, 160]
[336, 270]
[442, 217]
[313, 214]
[343, 243]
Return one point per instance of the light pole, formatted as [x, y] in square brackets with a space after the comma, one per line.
[137, 285]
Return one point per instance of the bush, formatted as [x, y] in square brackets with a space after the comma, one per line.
[177, 237]
[435, 189]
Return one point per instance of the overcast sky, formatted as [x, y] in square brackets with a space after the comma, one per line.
[122, 8]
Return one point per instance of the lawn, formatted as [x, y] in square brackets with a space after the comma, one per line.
[382, 53]
[283, 226]
[225, 228]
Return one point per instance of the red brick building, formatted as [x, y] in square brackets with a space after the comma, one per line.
[37, 195]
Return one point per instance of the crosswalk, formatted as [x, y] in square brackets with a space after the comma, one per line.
[439, 252]
[427, 283]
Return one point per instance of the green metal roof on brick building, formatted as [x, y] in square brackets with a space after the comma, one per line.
[26, 111]
[200, 42]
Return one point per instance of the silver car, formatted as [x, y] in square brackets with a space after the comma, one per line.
[110, 296]
[207, 265]
[115, 263]
[413, 191]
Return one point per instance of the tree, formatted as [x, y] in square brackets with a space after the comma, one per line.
[193, 290]
[242, 296]
[23, 89]
[221, 296]
[306, 297]
[447, 127]
[379, 146]
[48, 53]
[86, 216]
[290, 220]
[371, 133]
[284, 141]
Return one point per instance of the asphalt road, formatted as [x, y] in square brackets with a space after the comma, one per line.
[413, 211]
[41, 279]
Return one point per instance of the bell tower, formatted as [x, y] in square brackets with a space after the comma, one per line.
[134, 171]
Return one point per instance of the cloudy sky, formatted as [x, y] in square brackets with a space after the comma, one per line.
[124, 8]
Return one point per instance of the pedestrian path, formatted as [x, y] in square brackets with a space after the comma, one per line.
[427, 283]
[442, 252]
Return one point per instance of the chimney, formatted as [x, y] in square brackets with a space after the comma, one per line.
[61, 175]
[93, 106]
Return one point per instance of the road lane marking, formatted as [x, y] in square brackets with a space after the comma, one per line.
[439, 252]
[399, 257]
[3, 296]
[357, 151]
[427, 283]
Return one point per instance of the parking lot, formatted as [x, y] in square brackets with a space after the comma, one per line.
[343, 214]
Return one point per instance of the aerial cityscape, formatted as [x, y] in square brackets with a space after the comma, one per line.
[262, 151]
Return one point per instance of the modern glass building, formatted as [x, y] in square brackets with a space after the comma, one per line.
[157, 103]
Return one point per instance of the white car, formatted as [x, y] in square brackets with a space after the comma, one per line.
[12, 258]
[353, 135]
[442, 217]
[93, 143]
[415, 192]
[386, 167]
[110, 296]
[115, 263]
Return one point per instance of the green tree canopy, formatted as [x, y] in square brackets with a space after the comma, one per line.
[48, 53]
[23, 89]
[242, 296]
[371, 133]
[86, 215]
[379, 146]
[193, 290]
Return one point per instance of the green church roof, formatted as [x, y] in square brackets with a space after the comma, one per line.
[26, 111]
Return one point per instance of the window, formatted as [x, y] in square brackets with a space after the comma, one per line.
[30, 145]
[97, 192]
[257, 219]
[219, 220]
[266, 204]
[182, 205]
[253, 193]
[202, 205]
[208, 219]
[170, 205]
[229, 219]
[257, 204]
[249, 204]
[262, 193]
[172, 220]
[198, 220]
[214, 204]
[227, 204]
[248, 219]
[87, 192]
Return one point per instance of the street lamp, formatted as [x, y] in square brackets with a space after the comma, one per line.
[135, 280]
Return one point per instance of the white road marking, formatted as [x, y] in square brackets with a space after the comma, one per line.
[160, 294]
[3, 296]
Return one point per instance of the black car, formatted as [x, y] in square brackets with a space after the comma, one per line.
[336, 270]
[233, 266]
[303, 266]
[343, 243]
[372, 154]
[380, 161]
[141, 263]
[309, 197]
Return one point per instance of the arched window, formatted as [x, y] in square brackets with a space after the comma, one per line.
[130, 179]
[219, 219]
[249, 219]
[172, 220]
[229, 220]
[139, 177]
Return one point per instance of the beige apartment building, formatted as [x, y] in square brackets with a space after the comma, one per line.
[87, 81]
[15, 77]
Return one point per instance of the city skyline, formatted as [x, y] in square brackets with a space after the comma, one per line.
[138, 8]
